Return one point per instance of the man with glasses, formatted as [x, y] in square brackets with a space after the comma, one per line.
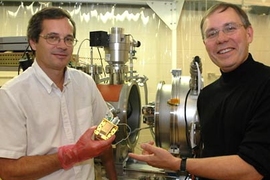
[48, 114]
[234, 111]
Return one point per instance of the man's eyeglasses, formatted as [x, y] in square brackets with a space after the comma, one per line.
[227, 29]
[54, 39]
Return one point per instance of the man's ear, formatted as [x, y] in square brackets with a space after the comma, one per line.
[32, 44]
[249, 34]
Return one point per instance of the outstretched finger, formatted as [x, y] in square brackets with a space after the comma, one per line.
[151, 142]
[149, 148]
[138, 157]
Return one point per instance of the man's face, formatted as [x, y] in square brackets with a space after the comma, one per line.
[226, 39]
[54, 56]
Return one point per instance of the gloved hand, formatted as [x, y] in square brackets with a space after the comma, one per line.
[84, 149]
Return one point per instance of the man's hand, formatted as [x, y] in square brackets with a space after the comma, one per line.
[84, 149]
[157, 157]
[145, 152]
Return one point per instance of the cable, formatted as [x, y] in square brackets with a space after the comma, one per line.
[199, 77]
[185, 116]
[101, 62]
[77, 55]
[130, 132]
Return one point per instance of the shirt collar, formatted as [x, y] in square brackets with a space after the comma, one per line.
[45, 80]
[241, 73]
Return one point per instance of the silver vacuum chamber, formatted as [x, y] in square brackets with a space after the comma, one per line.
[176, 120]
[172, 118]
[125, 98]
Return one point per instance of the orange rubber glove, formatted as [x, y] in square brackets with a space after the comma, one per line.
[84, 149]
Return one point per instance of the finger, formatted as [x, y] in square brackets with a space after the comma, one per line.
[148, 148]
[93, 127]
[104, 144]
[138, 157]
[111, 139]
[151, 142]
[145, 152]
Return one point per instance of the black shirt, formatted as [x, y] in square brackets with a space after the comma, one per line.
[234, 114]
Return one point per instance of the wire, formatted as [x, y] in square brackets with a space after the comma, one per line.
[77, 55]
[101, 62]
[185, 117]
[199, 77]
[130, 132]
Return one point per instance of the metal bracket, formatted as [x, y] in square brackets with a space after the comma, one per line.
[169, 12]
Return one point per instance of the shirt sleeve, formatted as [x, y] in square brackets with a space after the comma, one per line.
[13, 127]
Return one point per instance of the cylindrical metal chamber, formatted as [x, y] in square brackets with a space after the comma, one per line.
[125, 98]
[176, 121]
[119, 46]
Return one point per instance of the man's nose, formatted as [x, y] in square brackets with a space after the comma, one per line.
[221, 36]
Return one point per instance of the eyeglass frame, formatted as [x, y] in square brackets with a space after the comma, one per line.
[46, 37]
[226, 29]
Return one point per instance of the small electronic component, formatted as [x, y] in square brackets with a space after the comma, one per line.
[107, 128]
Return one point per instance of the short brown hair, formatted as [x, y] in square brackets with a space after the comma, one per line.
[35, 23]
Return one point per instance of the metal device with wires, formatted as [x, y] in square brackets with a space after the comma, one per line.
[108, 125]
[174, 113]
[172, 118]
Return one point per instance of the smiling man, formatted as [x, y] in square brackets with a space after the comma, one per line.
[48, 114]
[234, 111]
[227, 38]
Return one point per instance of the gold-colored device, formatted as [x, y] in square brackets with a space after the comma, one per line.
[106, 128]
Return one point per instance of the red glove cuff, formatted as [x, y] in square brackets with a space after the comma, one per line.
[67, 156]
